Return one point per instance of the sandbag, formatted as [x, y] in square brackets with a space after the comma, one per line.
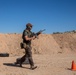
[25, 62]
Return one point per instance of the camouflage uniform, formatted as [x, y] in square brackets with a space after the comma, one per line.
[28, 52]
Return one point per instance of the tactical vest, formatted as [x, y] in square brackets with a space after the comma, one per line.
[26, 33]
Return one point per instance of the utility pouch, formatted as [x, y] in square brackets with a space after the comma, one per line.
[23, 45]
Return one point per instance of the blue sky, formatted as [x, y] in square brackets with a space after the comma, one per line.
[52, 15]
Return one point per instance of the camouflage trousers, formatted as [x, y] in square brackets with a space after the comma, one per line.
[28, 54]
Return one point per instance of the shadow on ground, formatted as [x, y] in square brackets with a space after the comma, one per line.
[14, 65]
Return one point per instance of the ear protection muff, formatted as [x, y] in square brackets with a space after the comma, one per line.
[28, 27]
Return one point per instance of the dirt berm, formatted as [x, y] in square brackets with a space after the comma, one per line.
[45, 44]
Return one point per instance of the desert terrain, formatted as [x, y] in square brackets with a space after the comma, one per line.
[52, 53]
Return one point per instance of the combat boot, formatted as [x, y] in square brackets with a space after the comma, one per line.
[33, 67]
[20, 64]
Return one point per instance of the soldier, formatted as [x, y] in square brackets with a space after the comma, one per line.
[27, 37]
